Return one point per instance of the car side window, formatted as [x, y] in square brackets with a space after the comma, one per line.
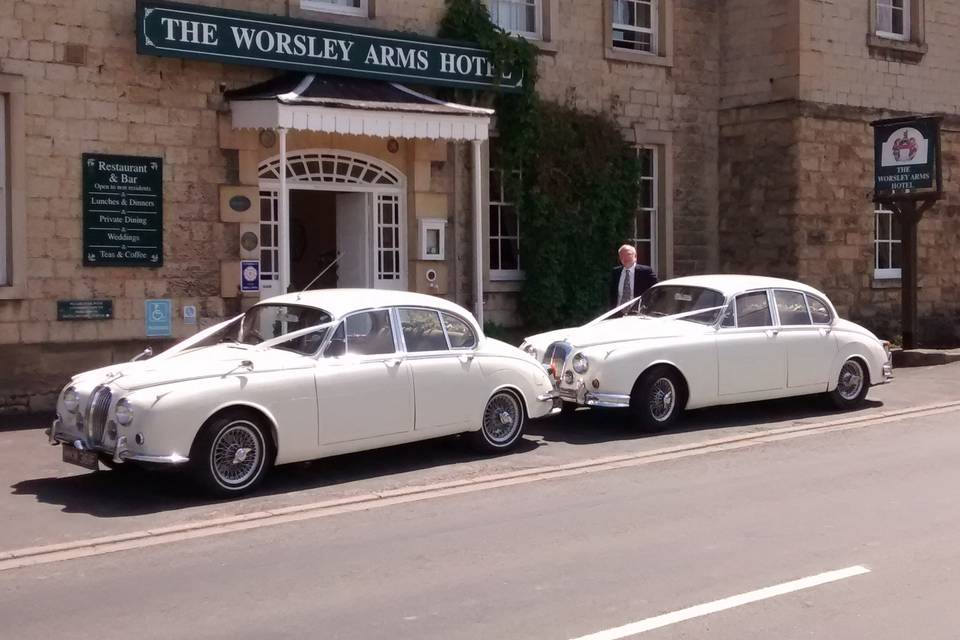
[791, 307]
[819, 310]
[370, 333]
[422, 330]
[459, 333]
[362, 334]
[753, 310]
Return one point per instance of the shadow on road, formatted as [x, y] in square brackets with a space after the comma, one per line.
[132, 491]
[592, 426]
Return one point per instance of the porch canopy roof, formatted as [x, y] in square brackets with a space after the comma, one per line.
[354, 106]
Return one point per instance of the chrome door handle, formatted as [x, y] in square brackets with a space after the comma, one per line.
[393, 362]
[465, 357]
[772, 333]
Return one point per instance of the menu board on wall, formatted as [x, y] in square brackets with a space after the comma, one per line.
[122, 211]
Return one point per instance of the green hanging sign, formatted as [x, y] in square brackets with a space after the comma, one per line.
[237, 37]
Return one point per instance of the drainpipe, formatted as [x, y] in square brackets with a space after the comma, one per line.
[477, 234]
[284, 215]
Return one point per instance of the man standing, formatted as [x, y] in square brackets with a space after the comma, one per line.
[631, 279]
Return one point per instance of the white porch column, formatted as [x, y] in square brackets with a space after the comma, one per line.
[477, 233]
[284, 214]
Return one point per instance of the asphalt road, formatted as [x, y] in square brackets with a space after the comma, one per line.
[558, 558]
[48, 501]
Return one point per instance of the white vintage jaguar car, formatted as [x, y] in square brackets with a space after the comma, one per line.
[303, 376]
[710, 340]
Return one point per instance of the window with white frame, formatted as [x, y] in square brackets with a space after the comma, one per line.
[522, 17]
[346, 7]
[635, 25]
[504, 230]
[893, 19]
[887, 245]
[644, 236]
[5, 222]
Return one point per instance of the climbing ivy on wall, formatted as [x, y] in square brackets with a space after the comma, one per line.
[571, 173]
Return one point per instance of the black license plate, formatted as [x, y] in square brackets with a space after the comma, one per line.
[85, 459]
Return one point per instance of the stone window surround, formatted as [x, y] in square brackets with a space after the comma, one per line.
[13, 88]
[649, 235]
[892, 273]
[912, 50]
[664, 55]
[509, 279]
[538, 29]
[663, 142]
[320, 6]
[546, 40]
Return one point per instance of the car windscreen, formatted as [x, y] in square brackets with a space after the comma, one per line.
[673, 300]
[269, 321]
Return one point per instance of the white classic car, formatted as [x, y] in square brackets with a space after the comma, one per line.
[710, 340]
[303, 376]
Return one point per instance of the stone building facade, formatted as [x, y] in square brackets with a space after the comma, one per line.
[802, 81]
[751, 118]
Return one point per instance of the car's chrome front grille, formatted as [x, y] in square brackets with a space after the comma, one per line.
[99, 406]
[554, 357]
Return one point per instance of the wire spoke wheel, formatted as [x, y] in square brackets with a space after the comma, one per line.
[662, 399]
[850, 383]
[502, 418]
[237, 453]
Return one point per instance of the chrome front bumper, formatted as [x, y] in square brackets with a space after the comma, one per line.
[887, 371]
[585, 398]
[119, 453]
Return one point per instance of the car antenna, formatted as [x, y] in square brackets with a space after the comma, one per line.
[320, 275]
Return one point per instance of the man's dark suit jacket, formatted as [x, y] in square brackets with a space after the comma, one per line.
[643, 279]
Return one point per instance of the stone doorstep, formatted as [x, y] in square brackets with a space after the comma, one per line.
[924, 357]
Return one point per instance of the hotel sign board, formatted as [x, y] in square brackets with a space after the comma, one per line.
[122, 211]
[907, 158]
[236, 37]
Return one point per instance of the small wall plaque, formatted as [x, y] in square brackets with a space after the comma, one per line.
[84, 309]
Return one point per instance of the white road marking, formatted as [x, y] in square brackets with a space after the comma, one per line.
[75, 549]
[642, 626]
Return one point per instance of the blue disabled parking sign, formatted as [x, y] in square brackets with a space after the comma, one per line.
[157, 317]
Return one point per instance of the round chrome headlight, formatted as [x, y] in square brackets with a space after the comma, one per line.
[124, 412]
[71, 400]
[580, 363]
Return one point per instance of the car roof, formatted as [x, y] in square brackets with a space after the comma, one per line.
[339, 302]
[730, 284]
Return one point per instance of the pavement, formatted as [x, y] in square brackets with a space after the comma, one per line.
[576, 557]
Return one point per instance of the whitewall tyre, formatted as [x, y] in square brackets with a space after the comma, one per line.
[232, 454]
[657, 399]
[853, 382]
[501, 424]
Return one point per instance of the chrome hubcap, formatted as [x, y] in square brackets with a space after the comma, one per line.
[851, 380]
[662, 399]
[502, 417]
[235, 457]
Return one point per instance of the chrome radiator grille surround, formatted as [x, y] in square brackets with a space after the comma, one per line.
[554, 358]
[97, 416]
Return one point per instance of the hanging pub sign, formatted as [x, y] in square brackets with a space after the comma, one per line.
[252, 39]
[122, 211]
[907, 158]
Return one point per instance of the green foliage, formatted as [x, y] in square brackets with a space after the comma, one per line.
[572, 175]
[580, 196]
